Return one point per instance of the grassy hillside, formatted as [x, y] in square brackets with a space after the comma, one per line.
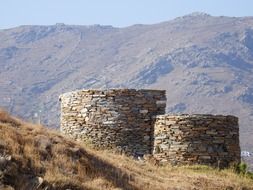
[33, 157]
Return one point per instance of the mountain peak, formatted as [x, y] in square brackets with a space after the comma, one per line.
[194, 15]
[197, 14]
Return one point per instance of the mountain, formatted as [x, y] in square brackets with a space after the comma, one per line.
[204, 62]
[33, 157]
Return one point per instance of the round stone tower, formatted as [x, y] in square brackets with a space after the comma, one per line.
[121, 119]
[197, 139]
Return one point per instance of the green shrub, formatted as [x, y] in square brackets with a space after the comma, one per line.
[242, 169]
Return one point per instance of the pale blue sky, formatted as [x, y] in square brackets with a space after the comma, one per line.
[118, 13]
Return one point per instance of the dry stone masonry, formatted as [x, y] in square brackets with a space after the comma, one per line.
[116, 118]
[202, 139]
[132, 121]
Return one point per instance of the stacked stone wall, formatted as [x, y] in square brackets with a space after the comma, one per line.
[197, 139]
[121, 119]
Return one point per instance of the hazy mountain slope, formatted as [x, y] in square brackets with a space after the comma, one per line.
[205, 63]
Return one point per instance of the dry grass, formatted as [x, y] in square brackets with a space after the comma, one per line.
[63, 163]
[148, 176]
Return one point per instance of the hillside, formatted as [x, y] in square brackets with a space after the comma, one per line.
[33, 157]
[205, 63]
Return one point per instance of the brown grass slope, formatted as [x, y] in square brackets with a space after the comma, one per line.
[33, 157]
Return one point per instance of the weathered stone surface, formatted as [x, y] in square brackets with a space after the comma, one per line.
[115, 118]
[197, 139]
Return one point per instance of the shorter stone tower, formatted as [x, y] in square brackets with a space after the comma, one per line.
[197, 139]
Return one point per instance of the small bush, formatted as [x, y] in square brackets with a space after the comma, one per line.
[242, 169]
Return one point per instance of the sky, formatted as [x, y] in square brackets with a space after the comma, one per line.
[118, 13]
